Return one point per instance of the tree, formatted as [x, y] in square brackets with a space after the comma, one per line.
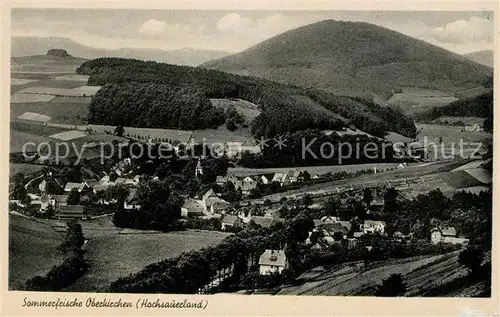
[19, 191]
[332, 206]
[391, 287]
[73, 197]
[367, 197]
[231, 125]
[471, 258]
[390, 201]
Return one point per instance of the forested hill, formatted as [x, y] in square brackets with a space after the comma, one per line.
[150, 94]
[353, 57]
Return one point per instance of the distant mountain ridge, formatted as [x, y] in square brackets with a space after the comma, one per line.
[482, 57]
[353, 58]
[30, 46]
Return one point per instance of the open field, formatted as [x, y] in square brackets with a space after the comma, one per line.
[415, 100]
[222, 135]
[32, 249]
[119, 255]
[28, 98]
[45, 64]
[465, 120]
[248, 109]
[78, 91]
[37, 129]
[26, 169]
[18, 139]
[62, 111]
[450, 134]
[20, 81]
[420, 275]
[243, 171]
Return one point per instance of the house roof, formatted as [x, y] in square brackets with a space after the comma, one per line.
[279, 177]
[293, 173]
[373, 223]
[209, 193]
[273, 257]
[79, 186]
[448, 231]
[229, 219]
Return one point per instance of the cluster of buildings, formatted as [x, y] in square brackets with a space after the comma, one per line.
[247, 183]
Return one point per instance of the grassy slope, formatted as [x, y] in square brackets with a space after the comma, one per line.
[32, 249]
[420, 274]
[354, 57]
[115, 256]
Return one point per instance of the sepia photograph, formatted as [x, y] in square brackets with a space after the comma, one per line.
[250, 152]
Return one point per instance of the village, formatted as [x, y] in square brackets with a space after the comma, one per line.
[262, 201]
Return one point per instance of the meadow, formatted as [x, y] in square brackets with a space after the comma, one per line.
[32, 249]
[119, 255]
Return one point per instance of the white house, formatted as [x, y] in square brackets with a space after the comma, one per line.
[272, 261]
[373, 226]
[446, 235]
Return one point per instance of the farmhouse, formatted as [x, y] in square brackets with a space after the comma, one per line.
[446, 235]
[273, 261]
[265, 222]
[192, 208]
[212, 202]
[372, 226]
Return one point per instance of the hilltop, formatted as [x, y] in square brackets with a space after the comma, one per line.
[28, 46]
[482, 57]
[353, 58]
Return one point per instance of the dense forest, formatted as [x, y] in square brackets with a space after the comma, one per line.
[479, 106]
[136, 91]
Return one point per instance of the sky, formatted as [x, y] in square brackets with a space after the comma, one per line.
[233, 31]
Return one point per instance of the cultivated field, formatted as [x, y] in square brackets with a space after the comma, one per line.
[420, 275]
[119, 255]
[32, 249]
